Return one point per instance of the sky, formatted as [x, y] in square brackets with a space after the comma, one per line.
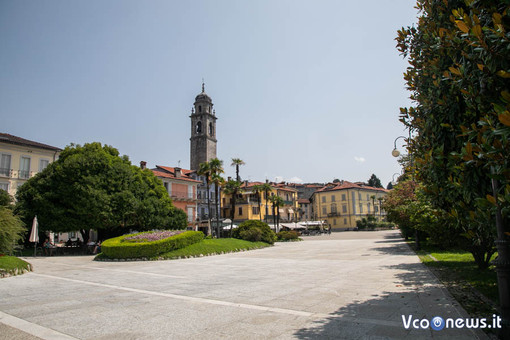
[304, 91]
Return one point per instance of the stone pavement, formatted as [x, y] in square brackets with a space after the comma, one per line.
[350, 285]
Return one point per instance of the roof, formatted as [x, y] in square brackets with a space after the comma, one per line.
[303, 201]
[169, 172]
[343, 185]
[10, 139]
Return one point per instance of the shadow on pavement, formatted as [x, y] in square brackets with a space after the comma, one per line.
[381, 316]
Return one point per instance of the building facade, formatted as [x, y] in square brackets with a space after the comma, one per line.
[247, 203]
[181, 188]
[21, 159]
[342, 204]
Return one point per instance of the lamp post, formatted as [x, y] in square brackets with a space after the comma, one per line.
[395, 152]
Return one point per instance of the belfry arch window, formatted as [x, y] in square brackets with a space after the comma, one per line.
[199, 127]
[199, 108]
[211, 129]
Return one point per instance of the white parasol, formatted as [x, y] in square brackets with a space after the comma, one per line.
[34, 234]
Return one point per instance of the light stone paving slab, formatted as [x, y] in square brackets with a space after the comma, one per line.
[351, 285]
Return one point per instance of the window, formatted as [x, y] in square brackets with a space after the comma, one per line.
[343, 197]
[333, 208]
[344, 208]
[376, 208]
[323, 199]
[345, 221]
[240, 211]
[24, 167]
[334, 221]
[211, 131]
[5, 165]
[4, 186]
[43, 163]
[361, 208]
[359, 196]
[199, 108]
[199, 127]
[190, 214]
[368, 197]
[255, 210]
[324, 211]
[190, 191]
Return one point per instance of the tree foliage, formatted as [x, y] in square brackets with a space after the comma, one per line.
[374, 181]
[92, 187]
[459, 78]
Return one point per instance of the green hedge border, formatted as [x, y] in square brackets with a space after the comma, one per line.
[116, 248]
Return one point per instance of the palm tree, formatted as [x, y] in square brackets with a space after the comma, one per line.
[276, 202]
[232, 188]
[205, 170]
[237, 162]
[218, 181]
[216, 168]
[258, 189]
[380, 209]
[266, 188]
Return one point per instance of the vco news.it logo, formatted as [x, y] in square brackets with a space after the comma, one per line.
[437, 323]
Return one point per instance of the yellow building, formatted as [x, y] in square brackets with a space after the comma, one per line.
[247, 205]
[342, 204]
[21, 159]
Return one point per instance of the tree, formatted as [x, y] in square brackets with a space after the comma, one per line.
[237, 162]
[389, 186]
[5, 198]
[266, 188]
[216, 167]
[92, 187]
[232, 188]
[204, 169]
[374, 182]
[11, 227]
[276, 202]
[458, 75]
[258, 189]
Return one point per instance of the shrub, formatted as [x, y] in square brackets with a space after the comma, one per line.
[254, 231]
[285, 235]
[119, 248]
[11, 230]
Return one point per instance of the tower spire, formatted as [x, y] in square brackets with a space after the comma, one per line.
[203, 85]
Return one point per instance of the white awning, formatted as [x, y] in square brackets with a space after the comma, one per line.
[291, 211]
[292, 225]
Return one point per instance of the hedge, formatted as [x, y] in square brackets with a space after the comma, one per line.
[116, 248]
[254, 231]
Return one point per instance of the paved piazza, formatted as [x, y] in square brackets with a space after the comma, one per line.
[350, 285]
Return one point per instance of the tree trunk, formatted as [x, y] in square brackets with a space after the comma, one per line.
[233, 212]
[209, 231]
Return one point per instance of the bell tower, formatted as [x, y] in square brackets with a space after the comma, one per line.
[203, 130]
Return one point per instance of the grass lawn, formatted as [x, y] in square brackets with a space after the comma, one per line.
[213, 246]
[12, 265]
[475, 289]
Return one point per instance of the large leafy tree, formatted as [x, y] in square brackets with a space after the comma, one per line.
[459, 76]
[11, 227]
[92, 187]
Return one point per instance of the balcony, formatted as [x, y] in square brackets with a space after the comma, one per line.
[334, 214]
[4, 172]
[182, 196]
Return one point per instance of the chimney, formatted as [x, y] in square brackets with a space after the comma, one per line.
[143, 165]
[178, 172]
[246, 183]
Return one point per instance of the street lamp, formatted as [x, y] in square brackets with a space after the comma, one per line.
[395, 152]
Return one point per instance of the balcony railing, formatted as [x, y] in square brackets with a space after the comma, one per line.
[20, 174]
[334, 214]
[182, 195]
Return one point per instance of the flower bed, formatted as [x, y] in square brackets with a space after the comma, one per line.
[153, 236]
[119, 248]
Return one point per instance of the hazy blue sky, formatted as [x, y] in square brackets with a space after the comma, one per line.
[302, 89]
